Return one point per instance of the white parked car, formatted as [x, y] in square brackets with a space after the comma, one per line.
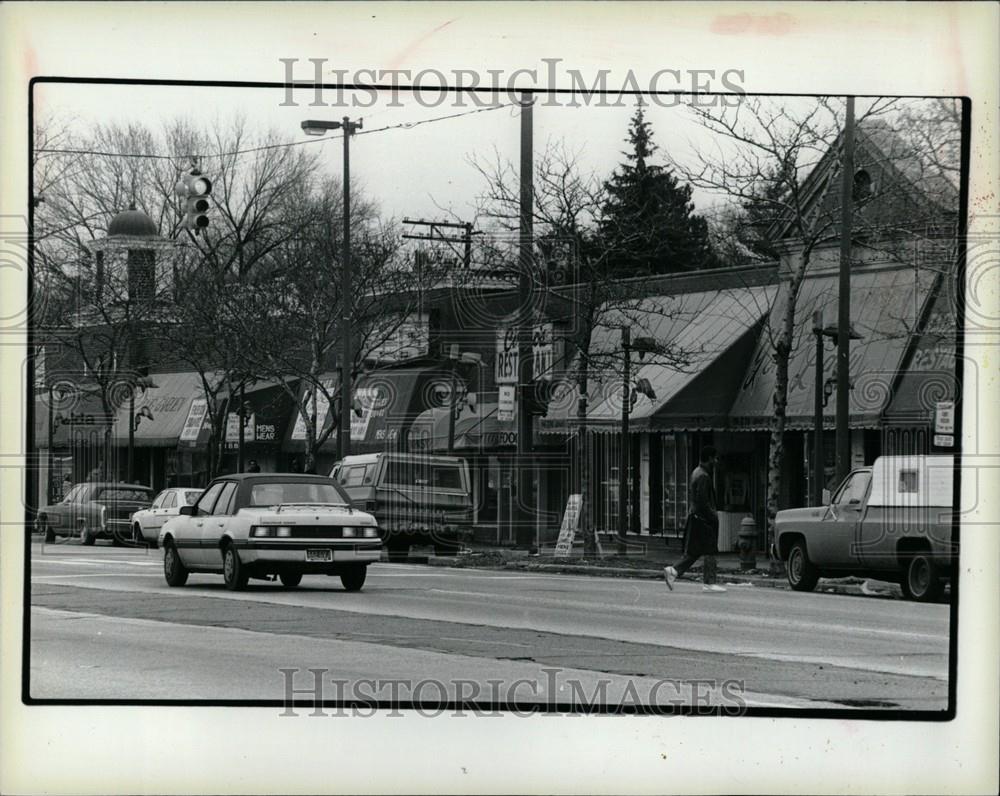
[146, 524]
[270, 525]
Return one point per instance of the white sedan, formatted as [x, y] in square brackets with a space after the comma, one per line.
[271, 526]
[146, 524]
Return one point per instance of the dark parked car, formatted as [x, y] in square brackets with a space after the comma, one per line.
[95, 510]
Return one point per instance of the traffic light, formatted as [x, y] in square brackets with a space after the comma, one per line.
[194, 188]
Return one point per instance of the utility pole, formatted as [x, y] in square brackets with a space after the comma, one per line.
[844, 307]
[623, 450]
[435, 234]
[524, 320]
[818, 472]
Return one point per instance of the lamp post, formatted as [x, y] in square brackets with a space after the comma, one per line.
[316, 128]
[643, 345]
[822, 395]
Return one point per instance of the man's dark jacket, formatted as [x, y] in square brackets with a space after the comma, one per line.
[702, 523]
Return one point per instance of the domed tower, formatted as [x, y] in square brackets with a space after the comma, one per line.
[131, 263]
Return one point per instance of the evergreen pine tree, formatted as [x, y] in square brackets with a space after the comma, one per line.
[648, 221]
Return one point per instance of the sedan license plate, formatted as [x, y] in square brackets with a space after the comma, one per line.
[319, 555]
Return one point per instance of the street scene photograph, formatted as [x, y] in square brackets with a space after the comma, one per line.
[498, 401]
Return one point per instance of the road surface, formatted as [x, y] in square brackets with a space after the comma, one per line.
[104, 625]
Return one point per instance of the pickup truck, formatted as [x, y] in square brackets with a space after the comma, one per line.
[270, 526]
[95, 510]
[418, 499]
[890, 521]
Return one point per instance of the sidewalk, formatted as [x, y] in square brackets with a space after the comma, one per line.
[649, 566]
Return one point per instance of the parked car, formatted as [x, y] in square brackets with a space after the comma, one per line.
[95, 510]
[146, 523]
[417, 499]
[268, 526]
[890, 521]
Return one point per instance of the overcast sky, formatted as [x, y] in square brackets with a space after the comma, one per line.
[409, 172]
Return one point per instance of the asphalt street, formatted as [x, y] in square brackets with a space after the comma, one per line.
[105, 625]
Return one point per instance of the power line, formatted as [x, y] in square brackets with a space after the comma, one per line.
[266, 147]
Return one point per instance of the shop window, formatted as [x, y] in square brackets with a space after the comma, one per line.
[909, 481]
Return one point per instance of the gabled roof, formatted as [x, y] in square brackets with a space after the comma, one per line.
[906, 191]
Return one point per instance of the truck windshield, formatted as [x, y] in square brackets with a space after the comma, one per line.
[424, 474]
[274, 494]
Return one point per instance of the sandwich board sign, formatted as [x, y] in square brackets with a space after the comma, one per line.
[569, 527]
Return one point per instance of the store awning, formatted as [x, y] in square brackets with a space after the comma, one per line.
[474, 430]
[930, 373]
[885, 306]
[77, 419]
[162, 410]
[695, 329]
[389, 401]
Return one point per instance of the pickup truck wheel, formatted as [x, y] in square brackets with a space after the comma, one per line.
[174, 571]
[921, 581]
[354, 578]
[86, 537]
[47, 533]
[802, 575]
[234, 573]
[290, 579]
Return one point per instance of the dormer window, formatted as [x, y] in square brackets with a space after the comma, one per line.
[862, 186]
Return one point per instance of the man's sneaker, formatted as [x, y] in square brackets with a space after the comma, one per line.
[713, 587]
[669, 575]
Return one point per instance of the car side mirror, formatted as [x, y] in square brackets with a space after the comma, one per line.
[187, 510]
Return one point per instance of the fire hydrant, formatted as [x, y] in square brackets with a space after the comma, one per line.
[748, 543]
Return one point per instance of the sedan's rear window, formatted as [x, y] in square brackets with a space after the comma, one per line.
[123, 494]
[273, 494]
[192, 496]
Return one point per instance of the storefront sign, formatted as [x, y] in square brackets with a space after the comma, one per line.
[410, 339]
[195, 420]
[369, 399]
[506, 356]
[233, 429]
[265, 432]
[944, 418]
[506, 404]
[542, 352]
[322, 406]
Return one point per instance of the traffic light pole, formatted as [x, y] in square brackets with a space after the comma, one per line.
[344, 427]
[524, 319]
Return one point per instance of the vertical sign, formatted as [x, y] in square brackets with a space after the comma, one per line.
[506, 356]
[195, 420]
[506, 405]
[542, 352]
[322, 409]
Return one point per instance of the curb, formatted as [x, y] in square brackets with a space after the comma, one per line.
[860, 589]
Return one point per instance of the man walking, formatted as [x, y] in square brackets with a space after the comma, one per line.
[702, 536]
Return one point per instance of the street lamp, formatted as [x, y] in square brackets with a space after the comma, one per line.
[822, 395]
[643, 346]
[317, 128]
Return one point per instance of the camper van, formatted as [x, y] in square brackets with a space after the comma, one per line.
[891, 521]
[418, 499]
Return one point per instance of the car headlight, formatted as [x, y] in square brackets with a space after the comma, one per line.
[104, 517]
[349, 533]
[284, 530]
[262, 530]
[371, 533]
